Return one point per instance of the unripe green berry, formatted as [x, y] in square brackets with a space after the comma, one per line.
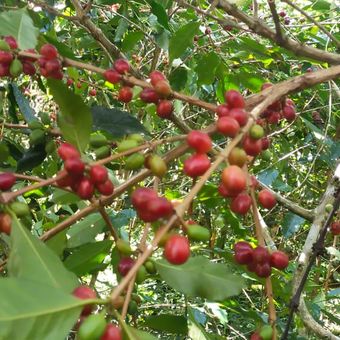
[141, 274]
[266, 155]
[20, 209]
[35, 124]
[50, 147]
[150, 267]
[137, 137]
[4, 46]
[37, 137]
[16, 68]
[133, 307]
[266, 332]
[329, 207]
[126, 145]
[102, 152]
[157, 165]
[123, 247]
[92, 327]
[256, 131]
[198, 233]
[97, 140]
[134, 161]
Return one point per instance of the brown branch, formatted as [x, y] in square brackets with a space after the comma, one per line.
[276, 19]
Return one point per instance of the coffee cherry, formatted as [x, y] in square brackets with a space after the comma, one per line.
[279, 260]
[237, 156]
[261, 255]
[335, 228]
[123, 247]
[69, 81]
[102, 152]
[66, 151]
[241, 204]
[11, 41]
[255, 336]
[85, 189]
[196, 165]
[92, 327]
[37, 137]
[150, 267]
[7, 180]
[224, 192]
[289, 113]
[93, 92]
[240, 115]
[48, 51]
[266, 332]
[4, 46]
[157, 165]
[242, 245]
[251, 146]
[127, 144]
[124, 265]
[132, 308]
[282, 14]
[156, 76]
[112, 76]
[164, 109]
[6, 57]
[274, 118]
[265, 143]
[157, 208]
[263, 270]
[65, 181]
[256, 131]
[112, 332]
[228, 126]
[134, 161]
[28, 69]
[196, 232]
[141, 275]
[177, 249]
[97, 140]
[106, 188]
[141, 196]
[84, 293]
[125, 94]
[4, 69]
[199, 141]
[52, 66]
[207, 31]
[74, 166]
[5, 223]
[234, 179]
[266, 199]
[149, 96]
[234, 99]
[121, 66]
[163, 88]
[98, 174]
[15, 68]
[222, 110]
[244, 256]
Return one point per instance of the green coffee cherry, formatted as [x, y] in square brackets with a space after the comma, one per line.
[97, 140]
[134, 161]
[35, 124]
[37, 137]
[45, 118]
[137, 137]
[124, 247]
[4, 46]
[141, 274]
[4, 152]
[198, 233]
[136, 297]
[150, 267]
[16, 68]
[329, 207]
[266, 332]
[20, 209]
[157, 165]
[92, 327]
[133, 307]
[126, 144]
[102, 152]
[256, 131]
[266, 155]
[50, 147]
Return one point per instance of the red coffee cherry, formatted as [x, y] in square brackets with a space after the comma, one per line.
[85, 189]
[11, 41]
[52, 66]
[237, 156]
[159, 207]
[69, 81]
[5, 223]
[74, 166]
[251, 146]
[266, 86]
[149, 96]
[282, 14]
[85, 293]
[335, 228]
[234, 99]
[105, 188]
[240, 115]
[112, 76]
[196, 165]
[48, 51]
[112, 332]
[255, 336]
[121, 66]
[241, 204]
[28, 68]
[289, 113]
[5, 57]
[242, 245]
[164, 109]
[254, 182]
[224, 192]
[263, 270]
[261, 255]
[243, 256]
[163, 88]
[7, 180]
[234, 179]
[156, 76]
[279, 260]
[274, 118]
[228, 126]
[199, 141]
[98, 174]
[93, 92]
[4, 70]
[66, 151]
[141, 196]
[65, 181]
[124, 265]
[177, 249]
[266, 199]
[265, 143]
[125, 94]
[289, 102]
[222, 110]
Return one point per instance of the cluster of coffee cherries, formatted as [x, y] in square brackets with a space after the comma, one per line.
[94, 326]
[79, 178]
[259, 260]
[7, 180]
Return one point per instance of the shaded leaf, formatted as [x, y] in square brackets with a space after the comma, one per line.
[159, 11]
[130, 333]
[31, 158]
[130, 40]
[178, 78]
[291, 224]
[206, 68]
[168, 323]
[23, 103]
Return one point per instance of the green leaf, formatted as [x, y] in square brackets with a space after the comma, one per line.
[64, 197]
[168, 323]
[116, 122]
[19, 24]
[182, 39]
[130, 40]
[31, 259]
[198, 275]
[206, 68]
[291, 224]
[74, 118]
[178, 78]
[87, 257]
[23, 103]
[31, 158]
[131, 333]
[159, 11]
[33, 310]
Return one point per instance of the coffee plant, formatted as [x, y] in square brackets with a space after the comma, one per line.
[169, 169]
